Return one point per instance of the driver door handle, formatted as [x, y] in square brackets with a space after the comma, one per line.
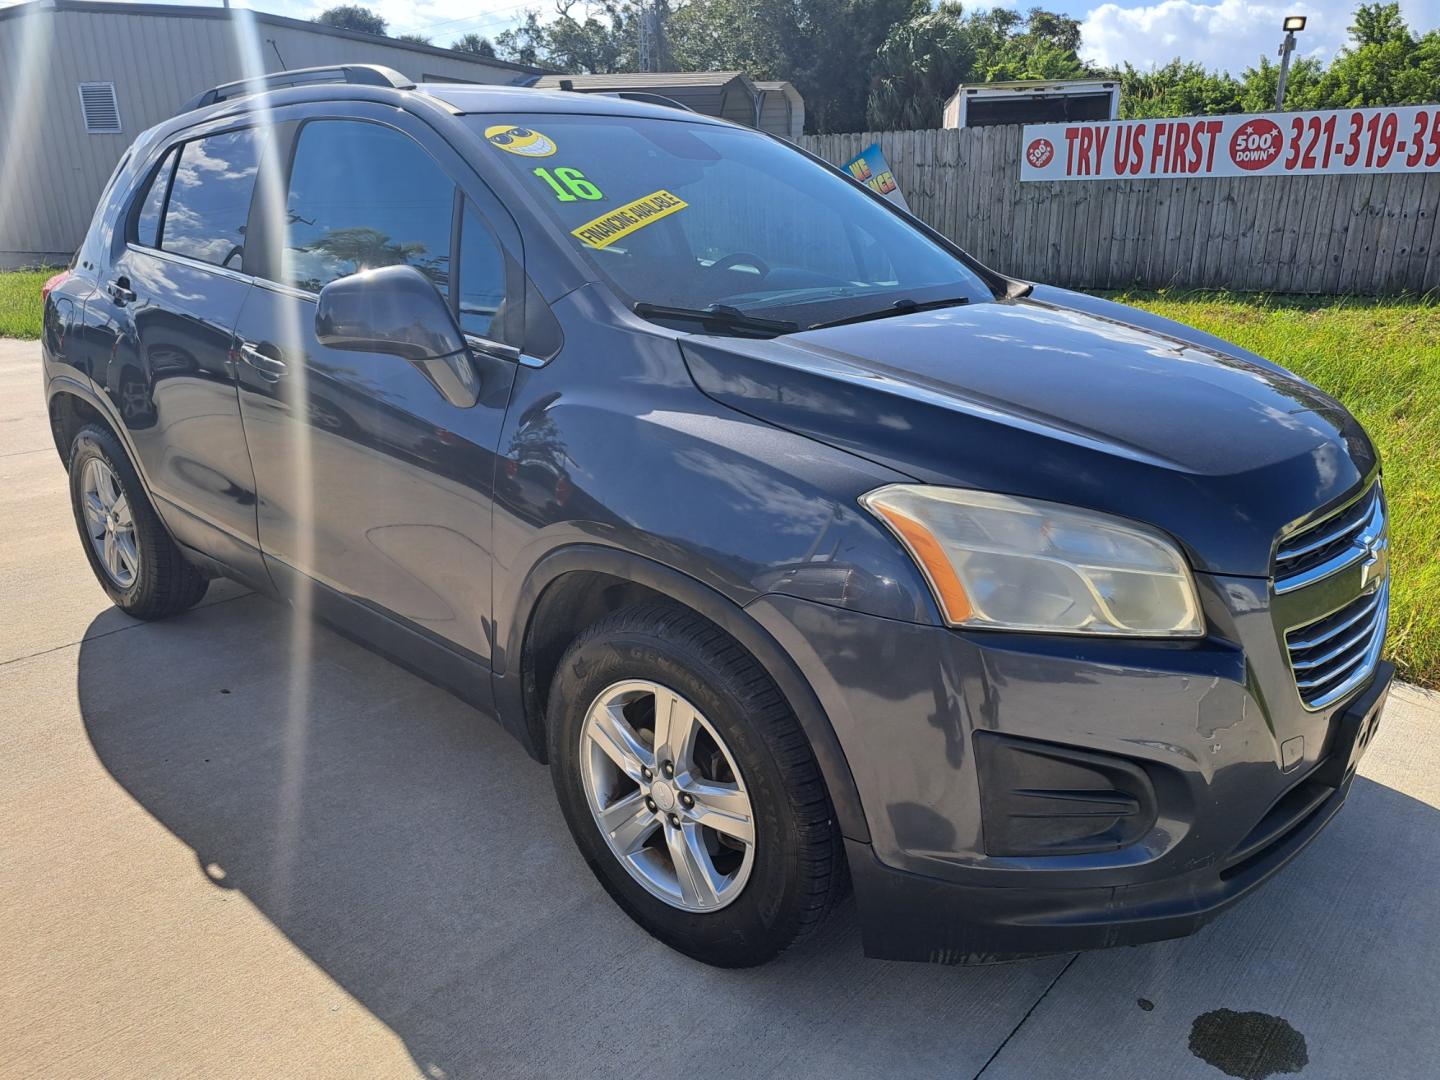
[270, 368]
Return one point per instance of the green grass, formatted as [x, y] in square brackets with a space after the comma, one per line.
[1381, 358]
[20, 302]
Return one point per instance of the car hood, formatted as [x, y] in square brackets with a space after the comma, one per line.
[1064, 397]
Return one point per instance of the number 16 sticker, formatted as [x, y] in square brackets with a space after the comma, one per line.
[569, 184]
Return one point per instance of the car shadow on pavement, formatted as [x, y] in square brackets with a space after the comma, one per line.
[410, 848]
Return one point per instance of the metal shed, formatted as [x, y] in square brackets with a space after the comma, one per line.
[774, 106]
[1032, 101]
[782, 109]
[79, 79]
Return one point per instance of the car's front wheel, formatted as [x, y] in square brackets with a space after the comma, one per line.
[690, 787]
[134, 558]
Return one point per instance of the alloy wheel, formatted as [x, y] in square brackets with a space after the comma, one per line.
[665, 793]
[109, 522]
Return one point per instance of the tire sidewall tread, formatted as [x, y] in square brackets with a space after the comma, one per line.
[797, 871]
[166, 583]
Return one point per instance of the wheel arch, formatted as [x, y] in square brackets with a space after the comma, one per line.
[570, 588]
[71, 406]
[69, 412]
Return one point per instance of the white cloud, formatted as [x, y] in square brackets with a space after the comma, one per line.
[440, 20]
[1229, 34]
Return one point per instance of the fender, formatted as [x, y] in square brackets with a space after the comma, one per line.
[84, 388]
[617, 562]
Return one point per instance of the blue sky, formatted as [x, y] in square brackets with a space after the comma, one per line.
[1230, 34]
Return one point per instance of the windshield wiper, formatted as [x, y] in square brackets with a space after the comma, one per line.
[720, 316]
[900, 307]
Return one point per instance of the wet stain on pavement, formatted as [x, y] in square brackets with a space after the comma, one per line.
[1248, 1045]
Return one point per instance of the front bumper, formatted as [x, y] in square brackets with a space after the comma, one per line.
[1241, 776]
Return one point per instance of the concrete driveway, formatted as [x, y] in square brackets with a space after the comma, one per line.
[232, 845]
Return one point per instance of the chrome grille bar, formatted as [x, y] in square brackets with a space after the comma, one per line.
[1324, 679]
[1320, 639]
[1330, 545]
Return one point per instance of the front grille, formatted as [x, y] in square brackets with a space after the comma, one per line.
[1331, 544]
[1334, 655]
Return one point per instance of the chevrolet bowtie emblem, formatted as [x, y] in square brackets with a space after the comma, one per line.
[1376, 565]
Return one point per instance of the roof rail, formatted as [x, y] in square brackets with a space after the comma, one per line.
[355, 74]
[633, 95]
[651, 99]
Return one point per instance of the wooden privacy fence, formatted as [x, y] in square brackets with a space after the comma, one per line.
[1366, 233]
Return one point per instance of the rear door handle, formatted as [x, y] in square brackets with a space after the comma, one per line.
[120, 291]
[270, 368]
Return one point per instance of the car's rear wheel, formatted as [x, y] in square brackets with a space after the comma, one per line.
[690, 787]
[134, 558]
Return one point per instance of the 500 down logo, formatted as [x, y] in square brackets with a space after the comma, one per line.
[1256, 144]
[1040, 152]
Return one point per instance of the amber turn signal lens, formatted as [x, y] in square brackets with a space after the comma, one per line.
[928, 554]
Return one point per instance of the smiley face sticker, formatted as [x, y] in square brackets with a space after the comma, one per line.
[519, 140]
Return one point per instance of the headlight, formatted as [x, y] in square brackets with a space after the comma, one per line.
[1003, 563]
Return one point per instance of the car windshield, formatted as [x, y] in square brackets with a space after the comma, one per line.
[682, 215]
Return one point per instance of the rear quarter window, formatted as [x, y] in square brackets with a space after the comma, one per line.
[152, 208]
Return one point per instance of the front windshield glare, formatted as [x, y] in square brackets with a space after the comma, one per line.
[692, 215]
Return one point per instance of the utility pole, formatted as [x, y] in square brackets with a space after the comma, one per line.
[651, 17]
[643, 47]
[1293, 23]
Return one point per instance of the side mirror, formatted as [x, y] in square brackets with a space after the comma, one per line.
[394, 309]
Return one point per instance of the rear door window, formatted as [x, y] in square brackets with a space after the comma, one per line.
[210, 198]
[361, 196]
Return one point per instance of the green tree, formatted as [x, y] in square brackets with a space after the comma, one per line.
[1302, 87]
[414, 39]
[925, 58]
[1177, 89]
[606, 40]
[473, 43]
[1384, 63]
[760, 37]
[845, 37]
[1041, 45]
[524, 43]
[825, 47]
[917, 68]
[352, 17]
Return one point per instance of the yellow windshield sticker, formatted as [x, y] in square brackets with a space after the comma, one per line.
[624, 220]
[519, 140]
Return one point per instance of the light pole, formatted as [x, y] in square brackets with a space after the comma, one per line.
[1293, 23]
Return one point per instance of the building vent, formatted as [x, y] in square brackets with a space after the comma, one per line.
[102, 111]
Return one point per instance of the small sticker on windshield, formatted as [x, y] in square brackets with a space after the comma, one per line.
[623, 221]
[519, 140]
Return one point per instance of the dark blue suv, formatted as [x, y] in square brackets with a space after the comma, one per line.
[810, 553]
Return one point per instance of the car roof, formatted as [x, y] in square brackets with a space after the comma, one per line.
[477, 98]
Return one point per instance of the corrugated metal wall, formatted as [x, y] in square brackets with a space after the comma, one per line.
[776, 115]
[51, 170]
[1361, 233]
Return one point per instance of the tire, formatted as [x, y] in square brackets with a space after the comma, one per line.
[154, 580]
[795, 869]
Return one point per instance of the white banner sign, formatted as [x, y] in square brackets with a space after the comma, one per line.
[1399, 140]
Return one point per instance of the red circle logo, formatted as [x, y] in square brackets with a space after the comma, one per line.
[1256, 144]
[1040, 151]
